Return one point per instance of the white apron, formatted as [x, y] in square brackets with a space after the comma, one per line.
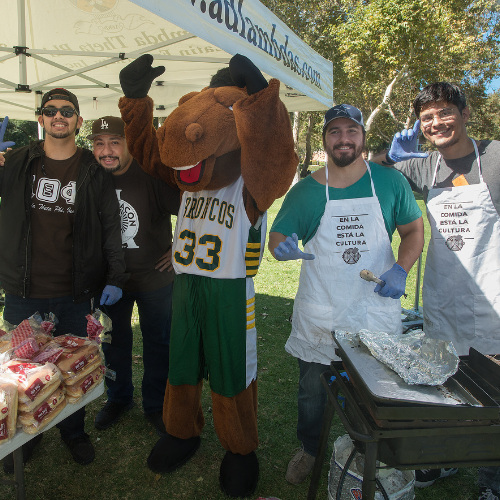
[461, 291]
[332, 296]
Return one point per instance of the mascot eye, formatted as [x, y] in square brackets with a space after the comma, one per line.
[231, 108]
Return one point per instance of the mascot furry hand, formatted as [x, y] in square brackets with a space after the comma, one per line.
[229, 150]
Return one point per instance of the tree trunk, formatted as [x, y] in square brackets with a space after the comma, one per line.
[385, 101]
[307, 159]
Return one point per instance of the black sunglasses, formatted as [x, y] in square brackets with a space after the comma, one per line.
[65, 112]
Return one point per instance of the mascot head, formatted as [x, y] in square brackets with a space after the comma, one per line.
[199, 139]
[237, 126]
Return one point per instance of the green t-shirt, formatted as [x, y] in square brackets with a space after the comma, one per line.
[304, 204]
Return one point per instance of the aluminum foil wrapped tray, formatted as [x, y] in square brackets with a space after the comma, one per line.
[417, 359]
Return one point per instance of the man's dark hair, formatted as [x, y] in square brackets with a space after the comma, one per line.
[440, 92]
[222, 79]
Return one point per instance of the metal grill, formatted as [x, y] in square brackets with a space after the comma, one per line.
[413, 427]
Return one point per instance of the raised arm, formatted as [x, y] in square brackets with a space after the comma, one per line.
[137, 112]
[403, 147]
[268, 158]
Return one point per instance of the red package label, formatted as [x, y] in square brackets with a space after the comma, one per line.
[71, 342]
[79, 364]
[22, 367]
[4, 434]
[42, 412]
[87, 384]
[33, 390]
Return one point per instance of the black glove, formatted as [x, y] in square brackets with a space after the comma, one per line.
[245, 74]
[136, 78]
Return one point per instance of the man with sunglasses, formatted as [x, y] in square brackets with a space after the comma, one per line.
[460, 183]
[60, 240]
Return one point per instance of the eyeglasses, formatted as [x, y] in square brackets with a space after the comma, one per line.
[65, 112]
[445, 115]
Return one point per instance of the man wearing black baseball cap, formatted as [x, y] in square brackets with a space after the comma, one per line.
[60, 242]
[146, 204]
[345, 214]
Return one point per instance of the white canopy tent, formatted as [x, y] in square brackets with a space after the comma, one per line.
[82, 45]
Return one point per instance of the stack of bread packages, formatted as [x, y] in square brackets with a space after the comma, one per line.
[8, 409]
[8, 391]
[40, 393]
[80, 360]
[40, 373]
[39, 397]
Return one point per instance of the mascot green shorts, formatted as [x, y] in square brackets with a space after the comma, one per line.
[213, 333]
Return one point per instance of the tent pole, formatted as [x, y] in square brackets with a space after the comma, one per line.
[21, 15]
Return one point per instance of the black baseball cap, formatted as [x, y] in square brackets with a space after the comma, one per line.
[343, 111]
[107, 125]
[60, 94]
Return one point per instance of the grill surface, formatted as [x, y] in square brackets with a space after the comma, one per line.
[467, 398]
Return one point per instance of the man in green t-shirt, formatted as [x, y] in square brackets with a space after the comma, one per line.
[345, 214]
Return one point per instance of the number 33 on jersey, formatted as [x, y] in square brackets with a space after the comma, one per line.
[213, 236]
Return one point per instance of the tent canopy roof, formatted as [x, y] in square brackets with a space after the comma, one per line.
[82, 45]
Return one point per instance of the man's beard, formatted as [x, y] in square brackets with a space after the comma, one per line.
[345, 159]
[60, 135]
[112, 169]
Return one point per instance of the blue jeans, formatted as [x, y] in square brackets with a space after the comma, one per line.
[312, 401]
[155, 314]
[72, 320]
[489, 477]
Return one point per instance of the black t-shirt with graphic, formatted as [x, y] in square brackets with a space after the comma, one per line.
[52, 217]
[146, 204]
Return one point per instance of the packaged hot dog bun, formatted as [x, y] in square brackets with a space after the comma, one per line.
[77, 354]
[35, 382]
[8, 409]
[87, 384]
[35, 420]
[84, 372]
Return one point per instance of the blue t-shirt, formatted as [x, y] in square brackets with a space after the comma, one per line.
[304, 204]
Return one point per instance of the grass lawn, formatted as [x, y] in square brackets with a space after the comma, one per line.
[119, 471]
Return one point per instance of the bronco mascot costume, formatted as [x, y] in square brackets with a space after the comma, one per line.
[229, 150]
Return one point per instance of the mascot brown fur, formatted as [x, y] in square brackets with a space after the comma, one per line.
[233, 135]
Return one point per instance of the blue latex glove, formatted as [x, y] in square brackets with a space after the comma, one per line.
[395, 282]
[3, 127]
[110, 295]
[289, 250]
[404, 145]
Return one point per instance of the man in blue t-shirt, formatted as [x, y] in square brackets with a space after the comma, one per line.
[345, 214]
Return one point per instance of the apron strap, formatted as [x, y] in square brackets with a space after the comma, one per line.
[478, 160]
[369, 173]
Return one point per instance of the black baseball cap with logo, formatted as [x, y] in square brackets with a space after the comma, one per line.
[107, 125]
[343, 111]
[60, 94]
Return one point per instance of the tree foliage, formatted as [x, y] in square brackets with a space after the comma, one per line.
[385, 51]
[411, 44]
[21, 132]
